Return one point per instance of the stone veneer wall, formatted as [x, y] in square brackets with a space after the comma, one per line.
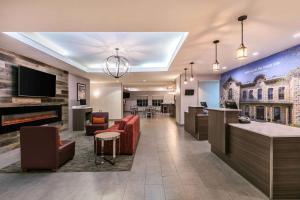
[8, 62]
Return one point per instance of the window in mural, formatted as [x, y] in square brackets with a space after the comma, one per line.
[230, 96]
[270, 93]
[247, 111]
[259, 94]
[276, 114]
[281, 93]
[251, 94]
[244, 94]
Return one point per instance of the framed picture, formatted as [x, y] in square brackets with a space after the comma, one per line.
[81, 91]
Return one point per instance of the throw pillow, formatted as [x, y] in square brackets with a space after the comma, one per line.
[98, 120]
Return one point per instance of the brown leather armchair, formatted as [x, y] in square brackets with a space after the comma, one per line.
[41, 148]
[91, 128]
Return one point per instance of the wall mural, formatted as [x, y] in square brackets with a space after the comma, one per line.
[267, 89]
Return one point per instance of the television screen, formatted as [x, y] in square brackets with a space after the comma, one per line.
[126, 95]
[36, 83]
[189, 92]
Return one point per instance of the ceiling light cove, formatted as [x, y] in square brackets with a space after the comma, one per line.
[145, 51]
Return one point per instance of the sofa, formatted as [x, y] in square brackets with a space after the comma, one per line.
[91, 128]
[41, 148]
[129, 129]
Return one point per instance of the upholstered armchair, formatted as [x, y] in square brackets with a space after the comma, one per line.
[99, 122]
[41, 148]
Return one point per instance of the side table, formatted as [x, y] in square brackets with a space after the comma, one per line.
[107, 136]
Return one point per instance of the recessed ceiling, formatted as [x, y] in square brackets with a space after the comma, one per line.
[146, 51]
[271, 26]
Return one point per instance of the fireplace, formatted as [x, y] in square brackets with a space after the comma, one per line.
[14, 117]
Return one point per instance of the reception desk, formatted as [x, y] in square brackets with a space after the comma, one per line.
[266, 154]
[196, 122]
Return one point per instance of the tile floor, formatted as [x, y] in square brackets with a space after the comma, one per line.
[169, 164]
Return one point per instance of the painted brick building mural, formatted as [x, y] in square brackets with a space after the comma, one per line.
[268, 89]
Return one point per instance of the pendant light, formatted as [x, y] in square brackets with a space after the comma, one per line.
[242, 51]
[185, 81]
[192, 75]
[216, 65]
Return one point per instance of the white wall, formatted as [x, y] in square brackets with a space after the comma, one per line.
[168, 98]
[178, 99]
[107, 98]
[72, 85]
[209, 91]
[186, 101]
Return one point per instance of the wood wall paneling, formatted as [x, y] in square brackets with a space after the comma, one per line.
[8, 90]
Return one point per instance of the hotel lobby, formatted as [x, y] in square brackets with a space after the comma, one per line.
[149, 100]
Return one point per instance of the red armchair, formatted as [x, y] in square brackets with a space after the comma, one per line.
[91, 128]
[129, 129]
[41, 148]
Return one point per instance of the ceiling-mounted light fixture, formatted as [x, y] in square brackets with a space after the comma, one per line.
[116, 66]
[192, 75]
[216, 65]
[242, 51]
[185, 81]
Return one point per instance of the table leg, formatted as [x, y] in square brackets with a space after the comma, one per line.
[102, 151]
[114, 150]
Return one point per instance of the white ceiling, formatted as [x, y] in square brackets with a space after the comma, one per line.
[269, 29]
[146, 52]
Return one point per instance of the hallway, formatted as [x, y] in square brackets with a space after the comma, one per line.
[169, 164]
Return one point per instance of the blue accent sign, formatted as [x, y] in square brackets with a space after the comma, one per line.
[274, 66]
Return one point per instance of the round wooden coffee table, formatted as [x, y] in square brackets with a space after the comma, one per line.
[107, 136]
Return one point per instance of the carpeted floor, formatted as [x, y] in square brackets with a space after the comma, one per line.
[83, 161]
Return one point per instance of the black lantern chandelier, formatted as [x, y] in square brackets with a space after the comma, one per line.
[185, 81]
[216, 65]
[242, 51]
[116, 66]
[192, 74]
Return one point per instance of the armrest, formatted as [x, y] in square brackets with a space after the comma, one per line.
[66, 151]
[117, 122]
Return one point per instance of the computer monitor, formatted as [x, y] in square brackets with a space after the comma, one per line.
[82, 102]
[231, 104]
[204, 104]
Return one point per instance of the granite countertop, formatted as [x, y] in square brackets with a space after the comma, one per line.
[81, 107]
[269, 129]
[224, 109]
[196, 106]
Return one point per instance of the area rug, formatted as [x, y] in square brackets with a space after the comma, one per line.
[83, 161]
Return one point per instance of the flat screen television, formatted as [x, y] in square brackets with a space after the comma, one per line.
[35, 83]
[126, 95]
[189, 92]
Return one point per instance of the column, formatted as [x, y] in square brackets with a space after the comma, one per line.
[287, 115]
